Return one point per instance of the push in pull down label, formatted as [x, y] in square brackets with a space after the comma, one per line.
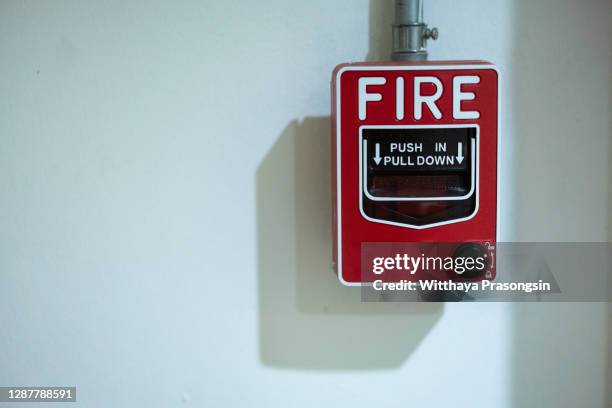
[418, 164]
[422, 149]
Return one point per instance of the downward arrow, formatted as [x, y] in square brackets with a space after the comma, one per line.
[460, 152]
[377, 158]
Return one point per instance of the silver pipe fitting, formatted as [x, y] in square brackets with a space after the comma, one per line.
[410, 33]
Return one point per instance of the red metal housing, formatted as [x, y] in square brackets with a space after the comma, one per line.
[445, 196]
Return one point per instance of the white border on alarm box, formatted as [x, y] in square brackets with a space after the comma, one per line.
[363, 166]
[483, 66]
[476, 159]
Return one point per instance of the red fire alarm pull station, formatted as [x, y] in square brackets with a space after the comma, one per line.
[415, 161]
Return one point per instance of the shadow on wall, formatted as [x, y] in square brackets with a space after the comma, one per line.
[307, 319]
[561, 91]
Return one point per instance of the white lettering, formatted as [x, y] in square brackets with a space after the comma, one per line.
[459, 96]
[430, 101]
[365, 97]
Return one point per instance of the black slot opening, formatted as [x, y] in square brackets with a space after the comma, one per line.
[419, 176]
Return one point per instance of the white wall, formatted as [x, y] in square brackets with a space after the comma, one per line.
[165, 206]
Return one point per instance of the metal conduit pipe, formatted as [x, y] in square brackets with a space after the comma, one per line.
[410, 33]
